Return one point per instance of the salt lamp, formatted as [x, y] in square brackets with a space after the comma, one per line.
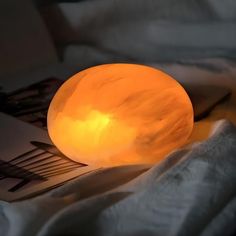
[118, 114]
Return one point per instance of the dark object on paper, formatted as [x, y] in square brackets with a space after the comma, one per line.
[29, 167]
[31, 103]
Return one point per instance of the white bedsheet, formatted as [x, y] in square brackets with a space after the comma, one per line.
[192, 192]
[144, 31]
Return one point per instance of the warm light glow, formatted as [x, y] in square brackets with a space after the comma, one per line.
[120, 114]
[98, 133]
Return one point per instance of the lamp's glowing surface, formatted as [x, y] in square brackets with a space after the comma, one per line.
[119, 114]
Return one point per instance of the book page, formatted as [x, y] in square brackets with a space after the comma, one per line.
[29, 162]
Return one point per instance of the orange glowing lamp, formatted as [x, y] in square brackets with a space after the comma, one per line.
[118, 114]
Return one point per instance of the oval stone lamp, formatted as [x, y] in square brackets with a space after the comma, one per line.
[119, 114]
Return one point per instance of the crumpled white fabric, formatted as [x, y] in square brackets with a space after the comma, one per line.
[143, 31]
[192, 192]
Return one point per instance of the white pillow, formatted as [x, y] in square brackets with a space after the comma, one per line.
[146, 30]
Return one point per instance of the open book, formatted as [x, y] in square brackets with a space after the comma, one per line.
[29, 162]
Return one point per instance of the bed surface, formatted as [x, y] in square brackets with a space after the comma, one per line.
[193, 191]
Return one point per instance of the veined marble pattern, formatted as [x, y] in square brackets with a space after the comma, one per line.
[120, 114]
